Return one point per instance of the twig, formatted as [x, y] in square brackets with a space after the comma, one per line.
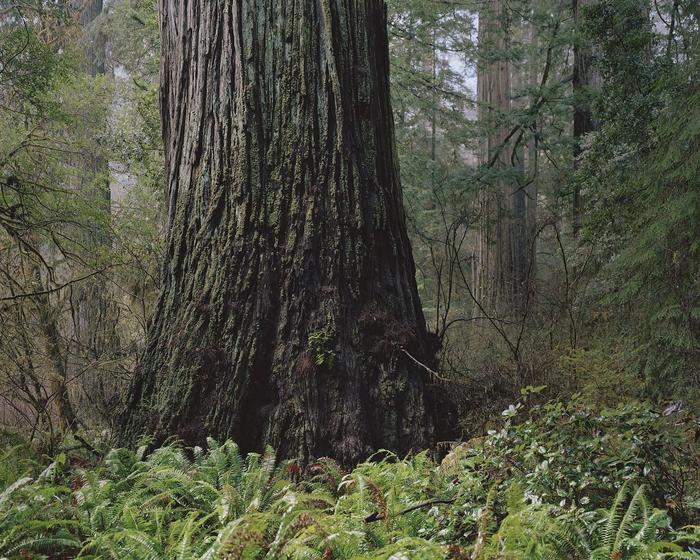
[426, 368]
[376, 516]
[57, 288]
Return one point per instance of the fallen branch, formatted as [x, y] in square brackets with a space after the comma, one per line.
[376, 516]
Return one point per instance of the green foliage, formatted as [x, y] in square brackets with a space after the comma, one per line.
[640, 172]
[51, 113]
[630, 529]
[601, 374]
[321, 346]
[489, 499]
[570, 454]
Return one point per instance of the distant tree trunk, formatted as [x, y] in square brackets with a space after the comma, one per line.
[72, 339]
[524, 188]
[289, 301]
[48, 324]
[95, 51]
[530, 191]
[500, 266]
[93, 337]
[584, 78]
[58, 374]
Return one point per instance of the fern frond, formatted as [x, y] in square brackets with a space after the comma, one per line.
[486, 521]
[615, 515]
[625, 526]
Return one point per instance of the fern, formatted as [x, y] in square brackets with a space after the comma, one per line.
[625, 527]
[218, 504]
[486, 520]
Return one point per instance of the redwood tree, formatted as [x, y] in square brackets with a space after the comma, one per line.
[289, 314]
[500, 263]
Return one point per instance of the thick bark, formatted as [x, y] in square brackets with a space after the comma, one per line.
[289, 286]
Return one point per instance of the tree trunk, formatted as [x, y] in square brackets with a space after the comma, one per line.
[93, 337]
[47, 315]
[584, 78]
[498, 285]
[523, 190]
[289, 297]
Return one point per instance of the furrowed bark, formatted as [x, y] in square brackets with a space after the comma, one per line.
[289, 284]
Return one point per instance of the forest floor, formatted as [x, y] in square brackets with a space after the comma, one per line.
[555, 480]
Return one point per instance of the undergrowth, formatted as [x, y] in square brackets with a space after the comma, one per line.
[555, 481]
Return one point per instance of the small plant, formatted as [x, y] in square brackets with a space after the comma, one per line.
[321, 346]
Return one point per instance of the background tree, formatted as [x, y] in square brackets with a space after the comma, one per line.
[584, 80]
[641, 177]
[497, 286]
[432, 47]
[69, 258]
[92, 329]
[41, 214]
